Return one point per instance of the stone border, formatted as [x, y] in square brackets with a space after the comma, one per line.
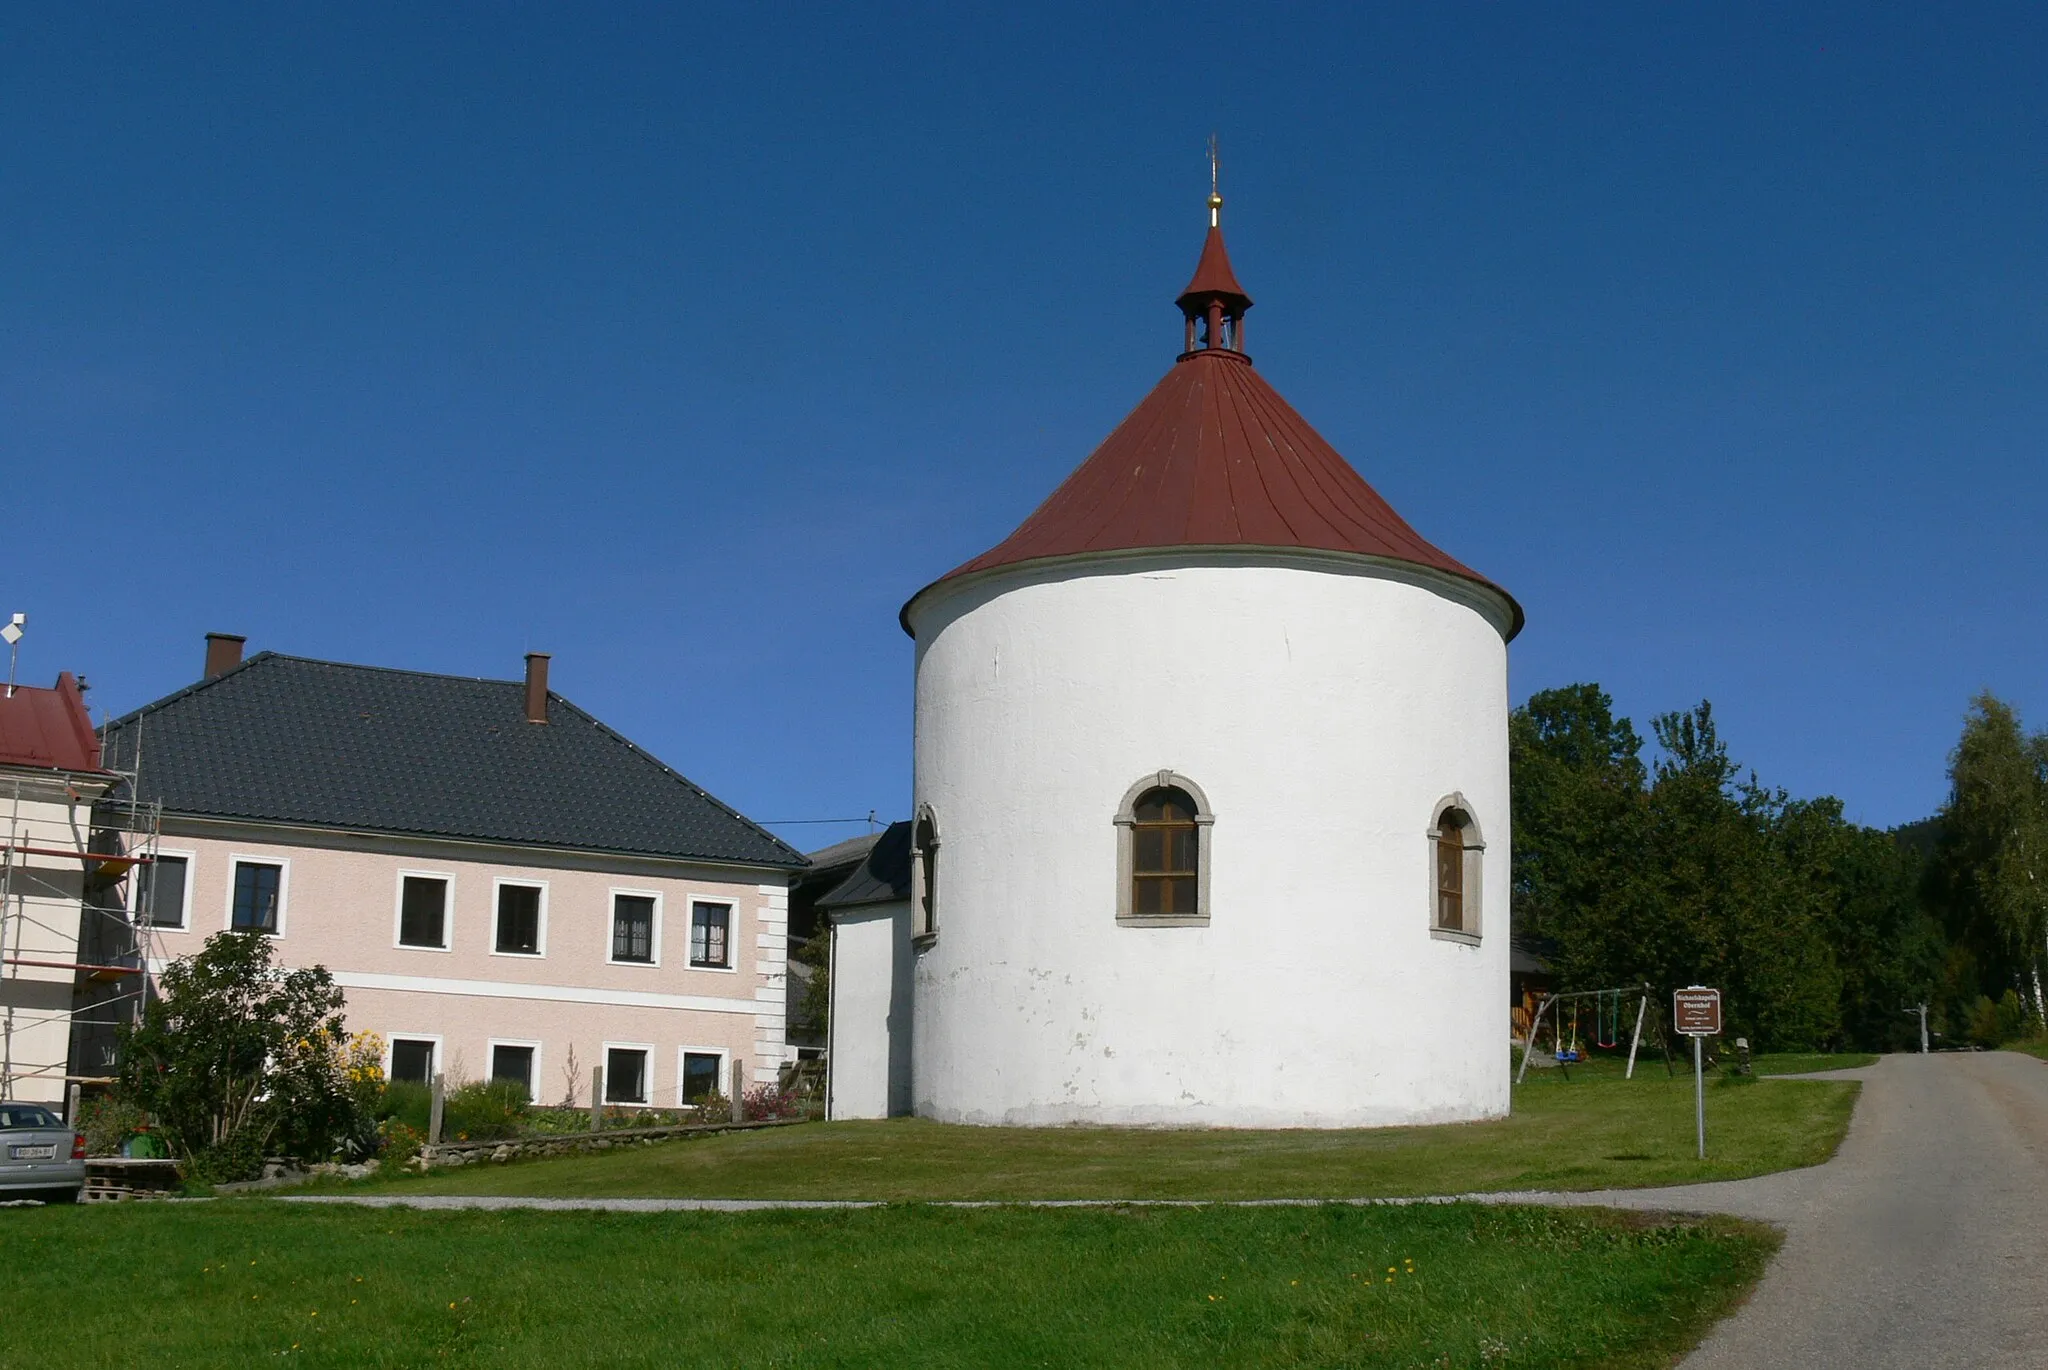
[448, 1155]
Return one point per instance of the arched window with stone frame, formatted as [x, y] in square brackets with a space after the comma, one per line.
[1163, 853]
[1456, 865]
[924, 875]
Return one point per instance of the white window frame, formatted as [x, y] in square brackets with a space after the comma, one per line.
[540, 939]
[611, 916]
[447, 911]
[491, 1046]
[732, 934]
[438, 1063]
[724, 1055]
[284, 888]
[646, 1099]
[184, 924]
[1471, 900]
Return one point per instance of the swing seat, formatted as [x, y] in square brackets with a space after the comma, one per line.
[1568, 1056]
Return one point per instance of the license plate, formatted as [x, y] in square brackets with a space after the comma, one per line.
[33, 1153]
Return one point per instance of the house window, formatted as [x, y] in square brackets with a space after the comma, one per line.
[518, 930]
[924, 877]
[513, 1061]
[625, 1075]
[701, 1072]
[160, 892]
[412, 1059]
[1455, 869]
[259, 891]
[633, 928]
[423, 911]
[1162, 853]
[710, 925]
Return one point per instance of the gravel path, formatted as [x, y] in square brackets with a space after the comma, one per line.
[1924, 1243]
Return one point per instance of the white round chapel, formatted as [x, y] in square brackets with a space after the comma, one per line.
[1211, 786]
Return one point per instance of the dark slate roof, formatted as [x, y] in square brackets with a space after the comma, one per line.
[883, 878]
[288, 740]
[844, 854]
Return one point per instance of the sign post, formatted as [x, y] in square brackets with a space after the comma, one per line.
[1696, 1012]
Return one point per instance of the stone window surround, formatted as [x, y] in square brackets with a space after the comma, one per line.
[1126, 852]
[924, 931]
[1475, 851]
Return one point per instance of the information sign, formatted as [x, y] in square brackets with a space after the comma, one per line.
[1696, 1011]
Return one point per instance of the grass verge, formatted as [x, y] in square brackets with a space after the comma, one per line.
[1806, 1062]
[240, 1281]
[1592, 1133]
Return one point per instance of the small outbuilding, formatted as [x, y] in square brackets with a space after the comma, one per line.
[868, 1060]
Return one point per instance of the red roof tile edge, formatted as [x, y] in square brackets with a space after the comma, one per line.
[49, 729]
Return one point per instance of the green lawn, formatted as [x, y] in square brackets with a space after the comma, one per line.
[1799, 1063]
[1592, 1133]
[239, 1282]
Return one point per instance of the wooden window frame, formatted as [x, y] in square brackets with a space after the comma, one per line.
[532, 1062]
[731, 963]
[611, 941]
[1471, 872]
[646, 1050]
[431, 1040]
[540, 932]
[237, 860]
[1126, 854]
[447, 942]
[143, 903]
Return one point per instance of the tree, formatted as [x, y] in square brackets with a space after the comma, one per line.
[1690, 873]
[1578, 808]
[1992, 855]
[237, 1057]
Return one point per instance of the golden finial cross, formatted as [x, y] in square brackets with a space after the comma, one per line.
[1215, 199]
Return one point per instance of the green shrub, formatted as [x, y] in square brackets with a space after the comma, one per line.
[484, 1111]
[236, 1056]
[238, 1157]
[398, 1143]
[107, 1121]
[409, 1101]
[2012, 1017]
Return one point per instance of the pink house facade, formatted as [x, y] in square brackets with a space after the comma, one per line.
[503, 887]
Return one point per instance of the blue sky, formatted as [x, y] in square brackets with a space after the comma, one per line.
[687, 342]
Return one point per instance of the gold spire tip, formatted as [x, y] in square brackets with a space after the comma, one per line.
[1215, 199]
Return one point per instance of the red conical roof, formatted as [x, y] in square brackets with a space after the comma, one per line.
[1214, 458]
[1213, 276]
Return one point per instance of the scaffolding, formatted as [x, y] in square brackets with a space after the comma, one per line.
[72, 899]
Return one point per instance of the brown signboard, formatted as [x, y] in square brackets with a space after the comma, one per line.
[1696, 1011]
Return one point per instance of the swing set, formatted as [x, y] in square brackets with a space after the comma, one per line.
[1606, 1009]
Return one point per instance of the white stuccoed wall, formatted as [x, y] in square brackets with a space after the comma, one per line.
[870, 1070]
[1324, 707]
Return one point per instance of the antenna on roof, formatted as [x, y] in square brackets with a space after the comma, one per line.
[12, 634]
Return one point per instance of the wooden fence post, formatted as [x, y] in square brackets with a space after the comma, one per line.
[434, 1112]
[739, 1086]
[596, 1098]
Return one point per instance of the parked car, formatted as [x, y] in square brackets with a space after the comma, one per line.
[39, 1154]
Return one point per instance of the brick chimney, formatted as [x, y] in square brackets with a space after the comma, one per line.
[536, 687]
[223, 653]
